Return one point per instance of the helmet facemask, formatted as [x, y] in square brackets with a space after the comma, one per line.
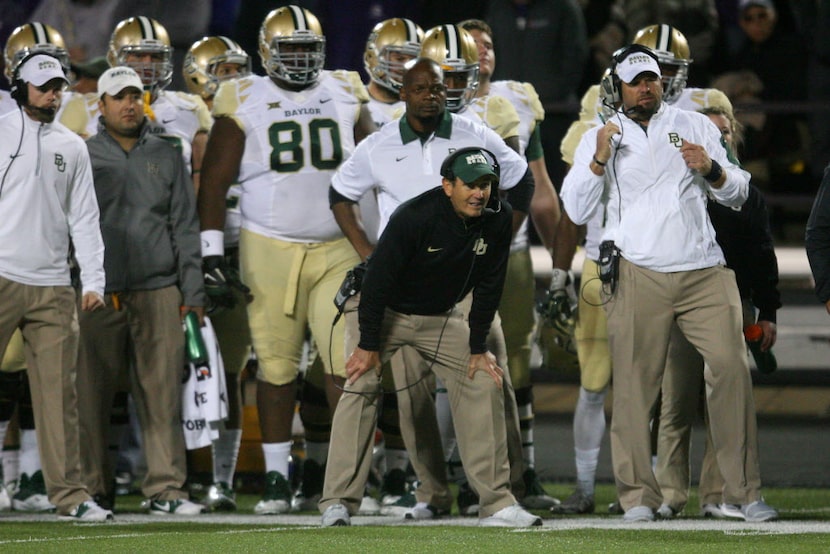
[156, 74]
[291, 65]
[675, 75]
[461, 81]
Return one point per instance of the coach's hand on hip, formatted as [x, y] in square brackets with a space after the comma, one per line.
[360, 362]
[485, 362]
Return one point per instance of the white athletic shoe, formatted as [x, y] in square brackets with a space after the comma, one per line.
[512, 516]
[667, 512]
[369, 506]
[712, 510]
[179, 507]
[5, 501]
[757, 511]
[638, 513]
[87, 511]
[336, 515]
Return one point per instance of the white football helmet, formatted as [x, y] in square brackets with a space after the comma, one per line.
[456, 52]
[292, 46]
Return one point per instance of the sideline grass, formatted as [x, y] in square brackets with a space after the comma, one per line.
[804, 527]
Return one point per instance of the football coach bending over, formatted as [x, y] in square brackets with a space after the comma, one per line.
[436, 248]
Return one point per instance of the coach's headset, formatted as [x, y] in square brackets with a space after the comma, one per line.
[20, 93]
[611, 85]
[494, 205]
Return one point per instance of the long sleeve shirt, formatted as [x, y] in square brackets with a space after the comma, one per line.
[46, 198]
[148, 216]
[428, 259]
[654, 205]
[745, 237]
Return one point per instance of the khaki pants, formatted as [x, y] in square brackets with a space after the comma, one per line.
[477, 406]
[707, 309]
[48, 319]
[148, 330]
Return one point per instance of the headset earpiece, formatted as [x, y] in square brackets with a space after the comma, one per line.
[19, 90]
[446, 166]
[610, 85]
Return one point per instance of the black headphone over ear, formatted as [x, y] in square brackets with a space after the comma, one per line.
[446, 165]
[611, 88]
[19, 91]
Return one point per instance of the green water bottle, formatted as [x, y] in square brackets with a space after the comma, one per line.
[195, 345]
[764, 361]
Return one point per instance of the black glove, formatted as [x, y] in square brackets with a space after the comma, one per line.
[220, 280]
[558, 309]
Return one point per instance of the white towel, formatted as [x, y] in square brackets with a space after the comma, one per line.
[204, 395]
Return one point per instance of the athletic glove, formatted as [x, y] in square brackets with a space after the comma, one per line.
[220, 280]
[558, 308]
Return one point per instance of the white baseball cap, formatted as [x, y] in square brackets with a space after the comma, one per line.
[116, 79]
[40, 69]
[635, 63]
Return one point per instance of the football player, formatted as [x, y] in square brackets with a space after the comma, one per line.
[390, 45]
[208, 62]
[672, 51]
[282, 137]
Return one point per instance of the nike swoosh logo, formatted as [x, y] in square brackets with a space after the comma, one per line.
[433, 249]
[401, 158]
[168, 120]
[324, 100]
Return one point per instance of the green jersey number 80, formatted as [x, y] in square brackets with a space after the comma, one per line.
[286, 139]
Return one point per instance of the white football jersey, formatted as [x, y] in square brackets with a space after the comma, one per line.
[294, 142]
[526, 102]
[383, 112]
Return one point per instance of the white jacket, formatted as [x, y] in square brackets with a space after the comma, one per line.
[654, 206]
[46, 197]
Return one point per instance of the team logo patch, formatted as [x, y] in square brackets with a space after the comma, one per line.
[474, 159]
[60, 163]
[480, 247]
[153, 169]
[675, 140]
[273, 105]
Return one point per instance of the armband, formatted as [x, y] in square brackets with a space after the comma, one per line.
[714, 173]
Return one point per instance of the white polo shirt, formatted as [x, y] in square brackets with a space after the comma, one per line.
[400, 165]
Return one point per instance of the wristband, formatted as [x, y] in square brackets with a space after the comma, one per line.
[213, 242]
[599, 163]
[714, 173]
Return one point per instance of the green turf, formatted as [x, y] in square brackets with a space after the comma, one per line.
[168, 536]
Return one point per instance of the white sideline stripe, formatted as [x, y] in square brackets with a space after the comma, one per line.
[32, 540]
[312, 522]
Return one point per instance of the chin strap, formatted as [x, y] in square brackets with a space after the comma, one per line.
[148, 111]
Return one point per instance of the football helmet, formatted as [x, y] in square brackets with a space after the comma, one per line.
[32, 38]
[283, 33]
[394, 37]
[455, 51]
[205, 56]
[140, 36]
[672, 51]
